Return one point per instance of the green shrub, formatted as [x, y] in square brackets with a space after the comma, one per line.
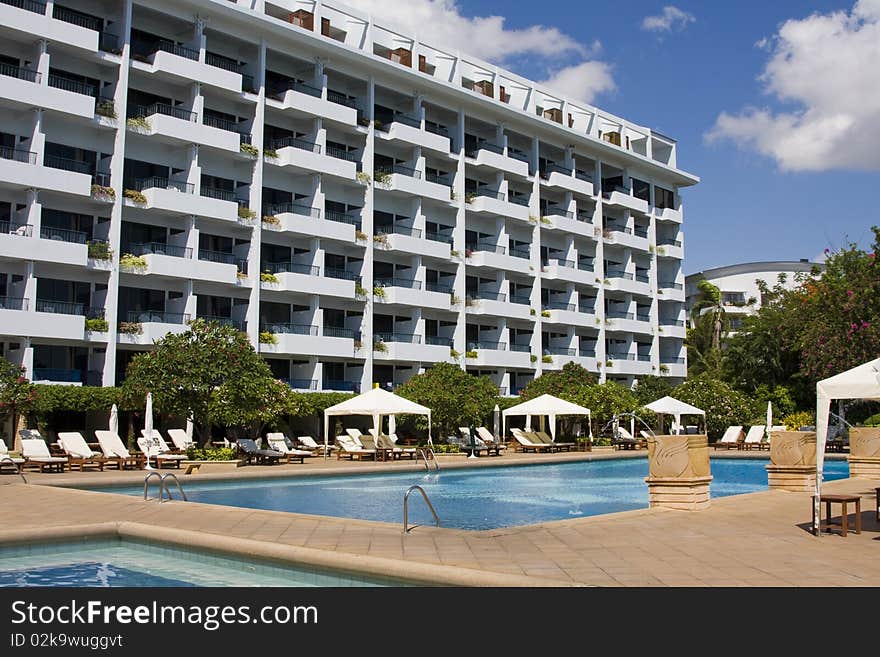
[98, 324]
[106, 108]
[249, 149]
[211, 454]
[873, 421]
[271, 153]
[794, 421]
[723, 405]
[131, 328]
[130, 261]
[266, 277]
[246, 213]
[267, 338]
[102, 191]
[135, 196]
[99, 250]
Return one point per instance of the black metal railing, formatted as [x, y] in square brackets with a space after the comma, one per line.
[668, 241]
[19, 72]
[586, 217]
[620, 356]
[439, 236]
[224, 257]
[486, 246]
[398, 282]
[76, 18]
[436, 128]
[159, 316]
[521, 299]
[560, 351]
[101, 178]
[671, 322]
[28, 5]
[13, 303]
[219, 194]
[63, 235]
[585, 265]
[583, 175]
[398, 168]
[68, 164]
[488, 296]
[60, 307]
[289, 328]
[556, 211]
[158, 182]
[339, 332]
[108, 42]
[439, 178]
[642, 278]
[295, 142]
[559, 305]
[520, 252]
[176, 49]
[619, 229]
[399, 229]
[517, 154]
[489, 193]
[560, 262]
[619, 314]
[670, 285]
[672, 361]
[75, 86]
[352, 217]
[485, 146]
[619, 273]
[341, 98]
[222, 61]
[293, 208]
[247, 83]
[552, 167]
[225, 321]
[343, 154]
[438, 287]
[292, 268]
[587, 353]
[221, 123]
[19, 155]
[409, 338]
[406, 119]
[491, 346]
[143, 111]
[521, 199]
[160, 248]
[342, 274]
[587, 308]
[521, 348]
[23, 230]
[438, 340]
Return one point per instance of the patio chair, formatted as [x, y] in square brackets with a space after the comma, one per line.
[180, 440]
[526, 442]
[253, 453]
[113, 447]
[36, 453]
[307, 442]
[384, 441]
[545, 438]
[7, 460]
[489, 439]
[624, 439]
[732, 437]
[160, 442]
[755, 438]
[154, 452]
[349, 449]
[473, 444]
[281, 443]
[80, 454]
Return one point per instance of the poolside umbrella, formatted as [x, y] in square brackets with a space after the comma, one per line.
[769, 418]
[113, 426]
[496, 422]
[148, 427]
[189, 428]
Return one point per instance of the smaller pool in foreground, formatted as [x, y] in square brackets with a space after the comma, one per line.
[117, 563]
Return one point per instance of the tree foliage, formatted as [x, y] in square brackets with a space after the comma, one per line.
[605, 400]
[566, 383]
[651, 388]
[18, 396]
[723, 405]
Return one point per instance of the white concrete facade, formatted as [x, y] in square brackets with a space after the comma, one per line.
[361, 203]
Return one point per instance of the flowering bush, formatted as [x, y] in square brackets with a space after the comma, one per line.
[723, 405]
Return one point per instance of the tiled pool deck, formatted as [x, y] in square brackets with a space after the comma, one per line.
[757, 539]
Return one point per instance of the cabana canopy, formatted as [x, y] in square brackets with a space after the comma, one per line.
[375, 403]
[861, 382]
[672, 406]
[545, 405]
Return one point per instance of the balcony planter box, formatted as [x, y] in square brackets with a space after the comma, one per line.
[209, 467]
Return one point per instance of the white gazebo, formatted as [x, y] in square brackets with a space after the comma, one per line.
[375, 403]
[545, 405]
[676, 408]
[861, 382]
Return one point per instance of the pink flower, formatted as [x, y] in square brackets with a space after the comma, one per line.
[849, 293]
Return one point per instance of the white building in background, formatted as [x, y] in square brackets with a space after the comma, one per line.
[409, 204]
[740, 293]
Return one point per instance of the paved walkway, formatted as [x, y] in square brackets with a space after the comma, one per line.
[757, 539]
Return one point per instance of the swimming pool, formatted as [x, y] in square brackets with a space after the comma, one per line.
[122, 562]
[478, 498]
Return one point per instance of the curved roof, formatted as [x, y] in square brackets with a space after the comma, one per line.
[750, 267]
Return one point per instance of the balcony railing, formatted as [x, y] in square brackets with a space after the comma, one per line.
[63, 235]
[224, 257]
[672, 361]
[620, 356]
[292, 268]
[560, 262]
[643, 317]
[160, 248]
[19, 72]
[640, 232]
[295, 142]
[438, 340]
[585, 265]
[439, 236]
[341, 385]
[293, 208]
[76, 18]
[485, 246]
[221, 61]
[488, 193]
[552, 167]
[27, 5]
[158, 316]
[619, 314]
[522, 252]
[406, 119]
[158, 182]
[556, 211]
[522, 200]
[643, 358]
[488, 296]
[436, 128]
[587, 353]
[517, 154]
[443, 288]
[586, 217]
[439, 178]
[398, 282]
[351, 217]
[491, 346]
[220, 123]
[668, 241]
[399, 229]
[671, 322]
[559, 305]
[60, 307]
[13, 303]
[407, 338]
[619, 273]
[341, 98]
[560, 351]
[521, 299]
[143, 111]
[619, 229]
[588, 308]
[521, 348]
[57, 374]
[9, 153]
[75, 86]
[23, 230]
[670, 285]
[175, 49]
[485, 146]
[68, 164]
[343, 154]
[289, 328]
[101, 178]
[108, 42]
[219, 194]
[339, 332]
[342, 274]
[224, 321]
[583, 175]
[399, 168]
[606, 193]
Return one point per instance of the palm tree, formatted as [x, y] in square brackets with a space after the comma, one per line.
[709, 304]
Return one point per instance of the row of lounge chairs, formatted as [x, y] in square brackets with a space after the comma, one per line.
[538, 441]
[755, 438]
[354, 445]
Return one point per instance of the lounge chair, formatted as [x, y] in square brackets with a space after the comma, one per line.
[7, 460]
[307, 442]
[113, 447]
[526, 442]
[158, 440]
[80, 454]
[624, 439]
[489, 439]
[180, 440]
[545, 438]
[384, 441]
[348, 448]
[755, 438]
[732, 437]
[474, 444]
[154, 452]
[36, 453]
[281, 443]
[252, 453]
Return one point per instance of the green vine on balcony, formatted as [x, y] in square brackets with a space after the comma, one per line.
[246, 213]
[546, 359]
[135, 196]
[471, 353]
[249, 149]
[379, 291]
[455, 355]
[382, 179]
[547, 221]
[268, 277]
[380, 346]
[106, 108]
[533, 358]
[363, 178]
[132, 262]
[103, 192]
[270, 153]
[99, 250]
[267, 338]
[360, 235]
[545, 313]
[271, 220]
[97, 324]
[131, 328]
[138, 123]
[360, 291]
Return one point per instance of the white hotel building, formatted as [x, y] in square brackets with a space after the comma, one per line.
[409, 204]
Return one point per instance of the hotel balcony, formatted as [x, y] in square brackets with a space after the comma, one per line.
[624, 281]
[626, 236]
[566, 178]
[670, 248]
[558, 357]
[670, 290]
[407, 292]
[218, 267]
[627, 322]
[305, 339]
[306, 220]
[63, 26]
[58, 320]
[22, 87]
[179, 198]
[497, 354]
[672, 328]
[173, 125]
[403, 180]
[566, 221]
[408, 129]
[308, 99]
[568, 314]
[407, 347]
[407, 239]
[557, 269]
[19, 169]
[621, 197]
[629, 364]
[492, 256]
[144, 327]
[493, 202]
[296, 277]
[485, 154]
[496, 305]
[55, 245]
[668, 214]
[676, 367]
[309, 157]
[182, 64]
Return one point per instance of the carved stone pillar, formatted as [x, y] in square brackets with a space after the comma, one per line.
[792, 461]
[864, 452]
[679, 473]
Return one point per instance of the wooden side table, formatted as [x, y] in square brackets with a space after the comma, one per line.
[843, 500]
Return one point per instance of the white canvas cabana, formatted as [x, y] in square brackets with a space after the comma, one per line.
[862, 382]
[672, 406]
[375, 403]
[545, 405]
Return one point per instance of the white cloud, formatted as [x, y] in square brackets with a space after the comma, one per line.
[670, 18]
[583, 81]
[826, 66]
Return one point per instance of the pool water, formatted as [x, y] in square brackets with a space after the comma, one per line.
[114, 563]
[479, 498]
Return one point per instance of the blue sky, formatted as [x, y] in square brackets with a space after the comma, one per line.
[765, 194]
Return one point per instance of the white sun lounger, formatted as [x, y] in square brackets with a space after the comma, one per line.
[731, 438]
[6, 459]
[156, 450]
[281, 443]
[113, 447]
[755, 438]
[79, 453]
[36, 454]
[180, 440]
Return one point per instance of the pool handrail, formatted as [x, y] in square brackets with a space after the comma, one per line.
[427, 501]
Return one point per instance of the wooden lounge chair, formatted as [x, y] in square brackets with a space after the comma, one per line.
[80, 454]
[7, 460]
[545, 438]
[113, 447]
[755, 438]
[489, 439]
[624, 439]
[152, 450]
[384, 441]
[527, 443]
[733, 437]
[281, 443]
[351, 450]
[309, 443]
[36, 453]
[252, 453]
[180, 440]
[476, 444]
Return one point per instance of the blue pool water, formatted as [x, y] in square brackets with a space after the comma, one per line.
[479, 498]
[112, 563]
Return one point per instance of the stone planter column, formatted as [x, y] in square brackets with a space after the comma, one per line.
[679, 473]
[792, 461]
[864, 452]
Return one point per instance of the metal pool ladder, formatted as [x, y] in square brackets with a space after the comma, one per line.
[163, 485]
[425, 452]
[17, 467]
[427, 501]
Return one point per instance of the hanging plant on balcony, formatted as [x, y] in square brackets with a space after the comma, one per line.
[454, 300]
[103, 192]
[469, 197]
[360, 291]
[131, 328]
[271, 220]
[455, 355]
[471, 353]
[363, 177]
[135, 196]
[132, 262]
[267, 277]
[267, 338]
[360, 235]
[138, 123]
[381, 239]
[99, 250]
[358, 345]
[380, 346]
[454, 254]
[546, 221]
[532, 311]
[246, 214]
[664, 368]
[379, 291]
[382, 179]
[106, 108]
[249, 149]
[533, 358]
[546, 359]
[661, 250]
[545, 313]
[241, 275]
[270, 153]
[97, 324]
[533, 219]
